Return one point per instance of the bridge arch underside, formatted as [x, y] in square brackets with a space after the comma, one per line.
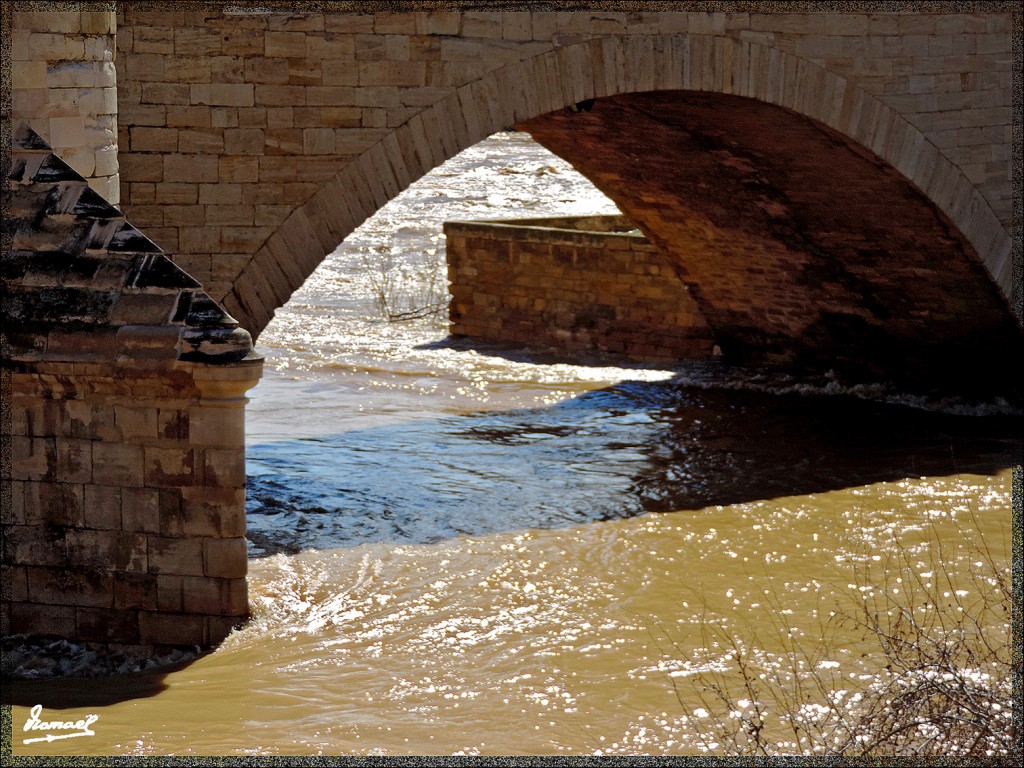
[799, 246]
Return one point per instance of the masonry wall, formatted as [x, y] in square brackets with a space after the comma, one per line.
[799, 247]
[578, 284]
[64, 85]
[240, 132]
[127, 516]
[123, 383]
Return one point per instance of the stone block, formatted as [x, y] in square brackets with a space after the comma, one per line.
[29, 74]
[196, 42]
[13, 583]
[477, 24]
[136, 422]
[106, 161]
[284, 141]
[166, 94]
[183, 215]
[107, 626]
[244, 141]
[136, 591]
[153, 40]
[219, 627]
[214, 597]
[242, 42]
[202, 141]
[141, 168]
[74, 460]
[169, 593]
[226, 558]
[171, 629]
[106, 550]
[42, 620]
[302, 72]
[70, 587]
[67, 132]
[174, 556]
[142, 309]
[199, 240]
[266, 71]
[239, 169]
[98, 22]
[399, 23]
[118, 464]
[252, 117]
[27, 545]
[48, 503]
[102, 507]
[284, 44]
[190, 168]
[14, 512]
[243, 239]
[223, 94]
[140, 510]
[219, 194]
[176, 194]
[170, 467]
[343, 72]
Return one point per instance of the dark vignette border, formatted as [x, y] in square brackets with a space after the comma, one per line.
[369, 6]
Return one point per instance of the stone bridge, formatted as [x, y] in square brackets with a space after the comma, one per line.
[833, 189]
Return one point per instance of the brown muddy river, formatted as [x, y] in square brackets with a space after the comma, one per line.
[470, 549]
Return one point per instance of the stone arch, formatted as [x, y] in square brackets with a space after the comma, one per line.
[606, 66]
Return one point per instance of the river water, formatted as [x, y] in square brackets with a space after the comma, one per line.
[463, 548]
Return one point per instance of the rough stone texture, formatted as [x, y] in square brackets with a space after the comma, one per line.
[125, 384]
[311, 121]
[571, 284]
[798, 245]
[64, 85]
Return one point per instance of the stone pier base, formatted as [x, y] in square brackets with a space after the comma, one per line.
[127, 514]
[123, 469]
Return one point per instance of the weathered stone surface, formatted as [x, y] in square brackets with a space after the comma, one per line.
[788, 240]
[114, 348]
[898, 84]
[571, 284]
[64, 85]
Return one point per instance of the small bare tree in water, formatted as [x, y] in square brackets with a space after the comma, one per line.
[403, 290]
[945, 687]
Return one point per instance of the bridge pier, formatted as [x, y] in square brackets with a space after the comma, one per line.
[124, 516]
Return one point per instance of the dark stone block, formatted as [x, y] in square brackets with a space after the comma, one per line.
[91, 205]
[161, 272]
[129, 239]
[25, 138]
[204, 312]
[53, 170]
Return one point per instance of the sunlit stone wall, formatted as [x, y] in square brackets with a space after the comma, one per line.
[253, 142]
[64, 85]
[578, 284]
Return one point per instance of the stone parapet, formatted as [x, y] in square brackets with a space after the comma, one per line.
[574, 284]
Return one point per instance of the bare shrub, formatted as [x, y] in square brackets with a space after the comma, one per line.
[403, 290]
[943, 686]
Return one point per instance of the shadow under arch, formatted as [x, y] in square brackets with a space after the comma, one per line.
[681, 445]
[606, 66]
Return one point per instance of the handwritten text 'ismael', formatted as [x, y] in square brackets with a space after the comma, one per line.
[75, 727]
